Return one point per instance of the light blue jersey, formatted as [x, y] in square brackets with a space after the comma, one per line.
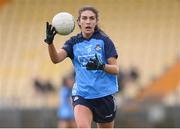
[65, 110]
[91, 84]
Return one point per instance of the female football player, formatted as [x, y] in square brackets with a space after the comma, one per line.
[94, 57]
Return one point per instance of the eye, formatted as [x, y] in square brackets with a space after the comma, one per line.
[83, 18]
[92, 18]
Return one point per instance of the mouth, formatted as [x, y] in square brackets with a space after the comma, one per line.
[88, 28]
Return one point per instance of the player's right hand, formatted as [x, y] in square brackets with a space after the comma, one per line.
[50, 33]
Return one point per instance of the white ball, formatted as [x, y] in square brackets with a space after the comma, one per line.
[63, 23]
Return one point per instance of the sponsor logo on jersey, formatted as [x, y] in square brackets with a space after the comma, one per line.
[75, 98]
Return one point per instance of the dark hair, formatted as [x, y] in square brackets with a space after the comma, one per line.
[94, 10]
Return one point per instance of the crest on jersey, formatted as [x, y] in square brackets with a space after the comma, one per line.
[97, 48]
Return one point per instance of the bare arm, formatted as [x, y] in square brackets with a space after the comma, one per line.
[112, 67]
[56, 55]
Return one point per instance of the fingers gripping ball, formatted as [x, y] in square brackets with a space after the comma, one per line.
[63, 23]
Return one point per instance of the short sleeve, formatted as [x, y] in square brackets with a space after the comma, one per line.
[110, 50]
[68, 47]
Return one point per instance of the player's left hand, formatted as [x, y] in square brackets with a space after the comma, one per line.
[95, 64]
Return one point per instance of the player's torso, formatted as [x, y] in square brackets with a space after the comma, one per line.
[87, 49]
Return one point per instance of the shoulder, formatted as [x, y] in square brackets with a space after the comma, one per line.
[75, 39]
[101, 35]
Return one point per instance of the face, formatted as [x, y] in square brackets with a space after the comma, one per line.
[87, 23]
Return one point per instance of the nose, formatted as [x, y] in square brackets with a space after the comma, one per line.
[88, 20]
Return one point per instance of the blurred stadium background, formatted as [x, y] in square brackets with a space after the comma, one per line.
[146, 34]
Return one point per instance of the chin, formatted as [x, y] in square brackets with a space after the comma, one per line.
[89, 32]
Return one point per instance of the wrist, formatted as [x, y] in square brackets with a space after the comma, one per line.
[102, 67]
[49, 42]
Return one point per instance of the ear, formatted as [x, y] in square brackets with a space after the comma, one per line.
[78, 22]
[97, 22]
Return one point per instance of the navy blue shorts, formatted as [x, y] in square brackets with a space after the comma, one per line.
[103, 109]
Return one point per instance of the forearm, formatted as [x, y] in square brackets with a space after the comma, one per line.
[53, 53]
[111, 69]
[56, 56]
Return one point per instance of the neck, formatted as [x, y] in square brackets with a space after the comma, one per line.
[87, 36]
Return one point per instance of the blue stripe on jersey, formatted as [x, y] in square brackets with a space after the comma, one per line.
[91, 83]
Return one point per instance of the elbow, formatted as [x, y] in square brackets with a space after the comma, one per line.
[112, 70]
[54, 61]
[116, 71]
